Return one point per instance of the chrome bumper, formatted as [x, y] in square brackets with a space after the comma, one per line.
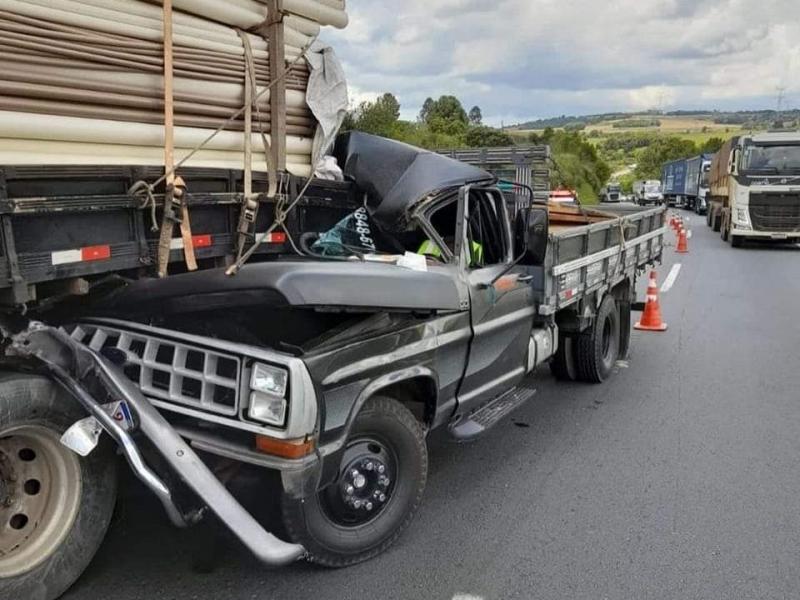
[70, 363]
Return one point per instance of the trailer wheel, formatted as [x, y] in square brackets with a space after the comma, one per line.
[597, 351]
[562, 364]
[736, 241]
[382, 475]
[717, 222]
[55, 506]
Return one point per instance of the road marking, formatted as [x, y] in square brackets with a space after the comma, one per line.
[670, 280]
[689, 234]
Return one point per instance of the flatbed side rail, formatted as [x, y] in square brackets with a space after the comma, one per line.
[599, 256]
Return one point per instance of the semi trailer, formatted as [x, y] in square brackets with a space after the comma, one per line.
[755, 188]
[685, 182]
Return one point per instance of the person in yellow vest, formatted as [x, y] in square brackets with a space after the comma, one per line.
[432, 249]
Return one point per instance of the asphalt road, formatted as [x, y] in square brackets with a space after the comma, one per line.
[678, 478]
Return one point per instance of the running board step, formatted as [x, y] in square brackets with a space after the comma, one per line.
[486, 417]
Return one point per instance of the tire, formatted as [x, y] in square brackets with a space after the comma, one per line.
[562, 366]
[736, 241]
[716, 223]
[336, 534]
[70, 503]
[724, 232]
[596, 352]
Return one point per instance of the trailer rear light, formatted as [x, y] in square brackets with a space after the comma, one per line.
[85, 254]
[198, 241]
[285, 448]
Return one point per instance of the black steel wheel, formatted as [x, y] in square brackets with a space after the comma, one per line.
[596, 351]
[382, 475]
[55, 506]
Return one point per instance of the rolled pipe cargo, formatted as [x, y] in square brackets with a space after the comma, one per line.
[81, 81]
[30, 126]
[27, 152]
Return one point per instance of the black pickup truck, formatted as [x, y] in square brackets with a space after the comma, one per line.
[329, 370]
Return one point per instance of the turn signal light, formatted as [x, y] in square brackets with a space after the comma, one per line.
[284, 448]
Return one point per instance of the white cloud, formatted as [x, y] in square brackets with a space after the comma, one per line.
[523, 58]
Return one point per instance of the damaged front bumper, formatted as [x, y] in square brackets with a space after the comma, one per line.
[73, 364]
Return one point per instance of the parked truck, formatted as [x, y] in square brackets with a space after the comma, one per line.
[648, 191]
[755, 188]
[329, 368]
[685, 182]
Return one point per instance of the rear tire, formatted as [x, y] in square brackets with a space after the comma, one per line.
[596, 352]
[333, 529]
[736, 241]
[563, 363]
[56, 506]
[717, 222]
[724, 232]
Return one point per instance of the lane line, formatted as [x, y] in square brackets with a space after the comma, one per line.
[689, 234]
[670, 280]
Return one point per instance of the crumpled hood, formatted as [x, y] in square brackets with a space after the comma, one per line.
[396, 176]
[307, 283]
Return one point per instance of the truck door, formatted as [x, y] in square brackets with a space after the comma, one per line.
[501, 311]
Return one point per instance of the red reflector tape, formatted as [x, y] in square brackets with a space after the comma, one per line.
[198, 241]
[276, 237]
[86, 254]
[201, 241]
[95, 253]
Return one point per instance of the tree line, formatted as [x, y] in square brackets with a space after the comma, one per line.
[444, 123]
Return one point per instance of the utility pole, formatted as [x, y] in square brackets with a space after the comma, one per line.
[779, 105]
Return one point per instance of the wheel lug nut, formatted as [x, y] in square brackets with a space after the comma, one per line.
[349, 490]
[369, 466]
[369, 505]
[382, 497]
[381, 469]
[354, 473]
[357, 503]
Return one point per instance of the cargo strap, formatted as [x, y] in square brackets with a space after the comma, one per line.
[250, 202]
[175, 209]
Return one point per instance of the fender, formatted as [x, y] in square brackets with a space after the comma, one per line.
[331, 452]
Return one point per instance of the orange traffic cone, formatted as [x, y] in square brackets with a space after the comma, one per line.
[683, 242]
[651, 317]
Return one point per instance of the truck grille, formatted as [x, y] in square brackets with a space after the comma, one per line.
[170, 370]
[775, 212]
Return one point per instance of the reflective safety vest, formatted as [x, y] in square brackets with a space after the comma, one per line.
[430, 248]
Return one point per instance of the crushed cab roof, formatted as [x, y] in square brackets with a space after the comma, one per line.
[396, 176]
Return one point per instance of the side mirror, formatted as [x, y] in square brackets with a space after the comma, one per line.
[531, 232]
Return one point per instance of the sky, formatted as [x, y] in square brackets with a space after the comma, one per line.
[525, 59]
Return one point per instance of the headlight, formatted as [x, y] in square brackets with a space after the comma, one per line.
[267, 399]
[267, 409]
[743, 217]
[270, 380]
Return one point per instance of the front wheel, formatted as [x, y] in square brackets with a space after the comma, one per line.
[382, 475]
[55, 506]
